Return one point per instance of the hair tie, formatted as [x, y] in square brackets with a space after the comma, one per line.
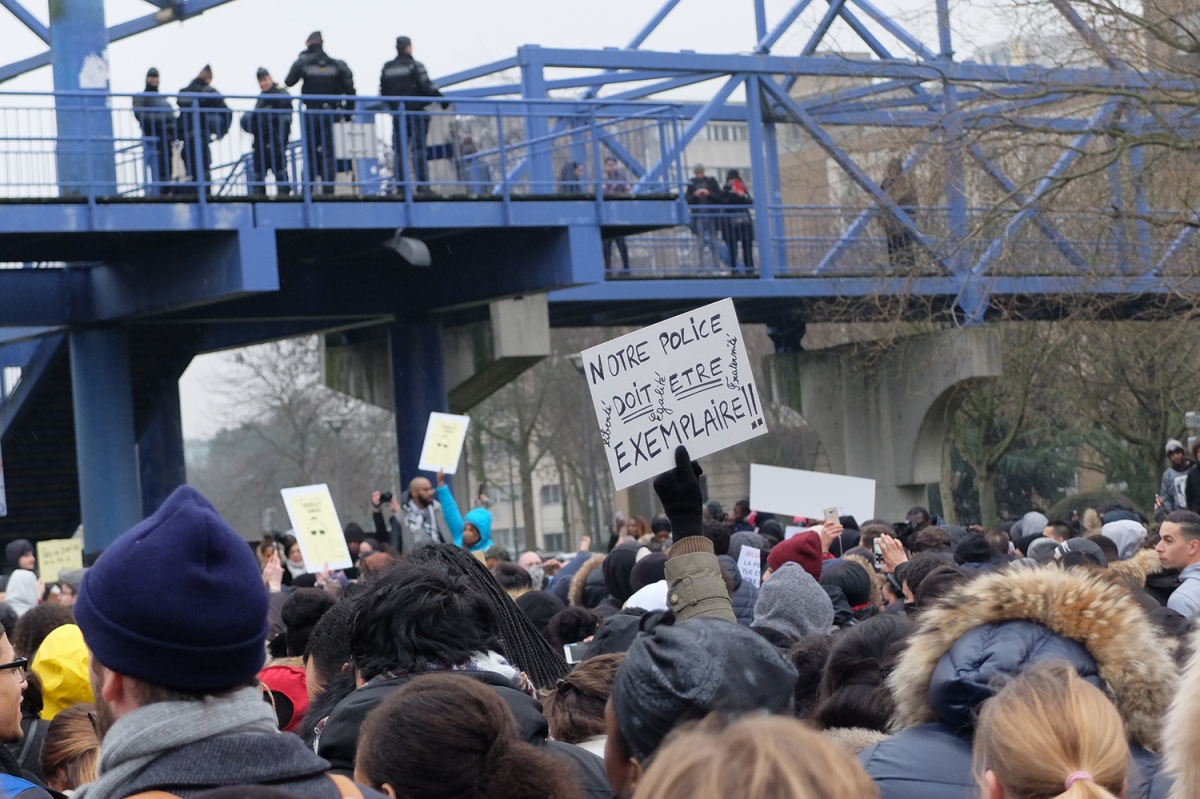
[1076, 777]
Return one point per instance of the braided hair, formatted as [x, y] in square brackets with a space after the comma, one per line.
[523, 645]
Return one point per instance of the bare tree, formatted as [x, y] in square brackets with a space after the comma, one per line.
[298, 432]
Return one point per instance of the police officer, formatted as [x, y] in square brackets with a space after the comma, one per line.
[157, 118]
[198, 128]
[322, 75]
[270, 123]
[405, 77]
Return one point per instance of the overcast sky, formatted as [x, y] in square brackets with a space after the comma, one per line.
[448, 35]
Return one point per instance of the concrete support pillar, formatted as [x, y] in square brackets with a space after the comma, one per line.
[79, 58]
[160, 452]
[884, 415]
[105, 446]
[419, 385]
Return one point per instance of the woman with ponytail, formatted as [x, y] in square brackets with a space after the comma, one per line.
[449, 737]
[1049, 733]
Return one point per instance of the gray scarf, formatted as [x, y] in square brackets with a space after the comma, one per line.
[137, 739]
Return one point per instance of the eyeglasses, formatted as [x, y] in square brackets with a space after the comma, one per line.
[19, 666]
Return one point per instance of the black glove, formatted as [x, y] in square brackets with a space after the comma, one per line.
[679, 492]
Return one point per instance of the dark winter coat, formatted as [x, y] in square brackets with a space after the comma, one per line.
[404, 76]
[745, 594]
[339, 739]
[271, 119]
[321, 75]
[154, 113]
[1000, 624]
[214, 115]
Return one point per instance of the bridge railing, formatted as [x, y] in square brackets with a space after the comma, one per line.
[833, 241]
[147, 145]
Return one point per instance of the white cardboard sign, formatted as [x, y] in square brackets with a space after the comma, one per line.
[796, 492]
[750, 564]
[315, 522]
[683, 381]
[444, 437]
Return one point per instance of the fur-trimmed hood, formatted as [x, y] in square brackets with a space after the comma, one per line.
[1075, 604]
[1181, 741]
[1139, 567]
[580, 579]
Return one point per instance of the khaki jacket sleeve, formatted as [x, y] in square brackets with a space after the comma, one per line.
[694, 583]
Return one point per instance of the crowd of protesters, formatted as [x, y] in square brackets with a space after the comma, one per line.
[1047, 658]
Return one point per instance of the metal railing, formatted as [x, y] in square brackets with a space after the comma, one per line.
[813, 241]
[100, 146]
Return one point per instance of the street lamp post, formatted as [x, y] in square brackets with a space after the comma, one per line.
[593, 504]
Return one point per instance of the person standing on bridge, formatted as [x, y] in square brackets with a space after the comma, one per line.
[270, 123]
[157, 118]
[616, 181]
[404, 76]
[201, 120]
[326, 77]
[900, 190]
[703, 191]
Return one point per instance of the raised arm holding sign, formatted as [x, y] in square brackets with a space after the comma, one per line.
[685, 381]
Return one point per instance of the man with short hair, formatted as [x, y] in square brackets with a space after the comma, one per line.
[157, 118]
[203, 117]
[422, 519]
[738, 522]
[270, 123]
[404, 76]
[175, 618]
[918, 517]
[704, 190]
[322, 75]
[13, 781]
[1179, 548]
[1058, 530]
[1172, 490]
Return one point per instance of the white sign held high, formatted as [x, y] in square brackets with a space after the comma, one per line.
[796, 492]
[683, 381]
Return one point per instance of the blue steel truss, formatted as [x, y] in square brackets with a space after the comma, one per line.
[584, 98]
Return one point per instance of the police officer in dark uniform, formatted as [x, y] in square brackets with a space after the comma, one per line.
[405, 77]
[157, 118]
[270, 123]
[321, 75]
[199, 128]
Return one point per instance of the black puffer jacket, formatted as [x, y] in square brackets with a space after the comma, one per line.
[1000, 624]
[745, 593]
[339, 739]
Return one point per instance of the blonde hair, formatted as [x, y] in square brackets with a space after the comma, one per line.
[71, 751]
[1046, 726]
[757, 757]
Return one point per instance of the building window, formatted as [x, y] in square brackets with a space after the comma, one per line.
[726, 131]
[551, 495]
[553, 542]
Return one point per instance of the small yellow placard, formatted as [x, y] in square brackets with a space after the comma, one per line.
[443, 445]
[316, 525]
[60, 555]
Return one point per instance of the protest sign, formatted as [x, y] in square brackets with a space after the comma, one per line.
[60, 555]
[443, 445]
[796, 492]
[3, 497]
[317, 528]
[750, 564]
[791, 531]
[683, 381]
